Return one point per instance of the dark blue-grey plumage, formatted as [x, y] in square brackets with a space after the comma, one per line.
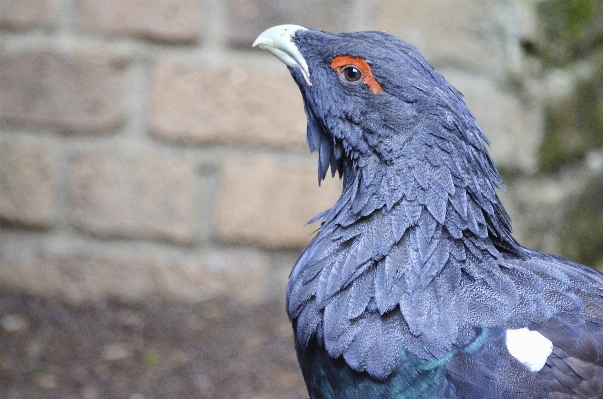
[414, 277]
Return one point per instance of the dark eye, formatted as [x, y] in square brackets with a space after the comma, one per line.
[351, 73]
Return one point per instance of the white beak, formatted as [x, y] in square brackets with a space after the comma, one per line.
[277, 40]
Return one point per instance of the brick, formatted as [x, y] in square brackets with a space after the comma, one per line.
[162, 20]
[83, 276]
[240, 275]
[248, 18]
[194, 104]
[83, 271]
[79, 273]
[133, 195]
[25, 14]
[83, 92]
[447, 32]
[268, 202]
[27, 183]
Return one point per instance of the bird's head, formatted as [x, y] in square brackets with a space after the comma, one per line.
[382, 117]
[372, 94]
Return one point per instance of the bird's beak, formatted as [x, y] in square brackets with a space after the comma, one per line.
[277, 40]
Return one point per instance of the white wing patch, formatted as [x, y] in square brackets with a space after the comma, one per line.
[529, 347]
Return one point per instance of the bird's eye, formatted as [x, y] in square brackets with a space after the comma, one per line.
[355, 70]
[351, 73]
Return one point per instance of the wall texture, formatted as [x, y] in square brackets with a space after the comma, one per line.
[147, 150]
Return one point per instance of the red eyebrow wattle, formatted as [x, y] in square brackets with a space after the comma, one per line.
[367, 74]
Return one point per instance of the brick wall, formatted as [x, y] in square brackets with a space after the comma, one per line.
[146, 149]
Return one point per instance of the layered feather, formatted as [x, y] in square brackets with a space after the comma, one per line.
[414, 276]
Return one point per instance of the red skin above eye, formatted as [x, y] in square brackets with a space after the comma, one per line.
[367, 74]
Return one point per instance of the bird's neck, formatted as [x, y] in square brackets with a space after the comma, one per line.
[405, 192]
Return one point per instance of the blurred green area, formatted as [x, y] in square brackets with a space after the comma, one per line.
[572, 45]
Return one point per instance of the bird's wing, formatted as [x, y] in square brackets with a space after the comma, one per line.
[575, 366]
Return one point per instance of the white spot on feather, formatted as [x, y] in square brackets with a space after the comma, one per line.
[529, 347]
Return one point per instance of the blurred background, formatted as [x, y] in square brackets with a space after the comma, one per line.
[155, 181]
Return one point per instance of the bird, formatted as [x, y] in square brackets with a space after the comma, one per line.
[414, 286]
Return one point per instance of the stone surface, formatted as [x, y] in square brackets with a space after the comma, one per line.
[195, 104]
[133, 195]
[163, 20]
[79, 273]
[581, 231]
[248, 18]
[268, 202]
[27, 184]
[83, 271]
[83, 276]
[70, 93]
[460, 33]
[24, 14]
[537, 204]
[241, 275]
